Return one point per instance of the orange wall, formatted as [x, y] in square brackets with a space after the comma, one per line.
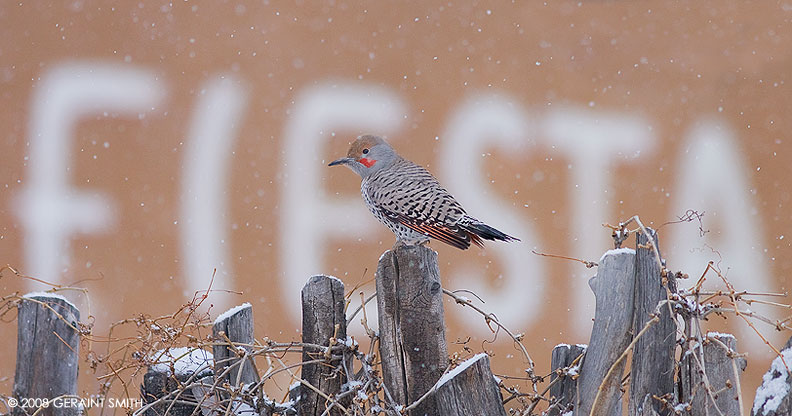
[146, 143]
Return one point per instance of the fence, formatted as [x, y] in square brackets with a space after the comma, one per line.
[641, 319]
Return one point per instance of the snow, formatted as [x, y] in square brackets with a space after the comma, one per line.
[352, 385]
[460, 368]
[48, 295]
[692, 305]
[361, 395]
[229, 313]
[349, 342]
[565, 345]
[575, 370]
[775, 385]
[293, 386]
[324, 275]
[267, 402]
[336, 279]
[188, 361]
[241, 408]
[714, 334]
[616, 251]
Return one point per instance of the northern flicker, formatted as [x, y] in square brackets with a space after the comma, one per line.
[409, 200]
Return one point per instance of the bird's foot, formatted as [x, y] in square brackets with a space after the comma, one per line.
[402, 243]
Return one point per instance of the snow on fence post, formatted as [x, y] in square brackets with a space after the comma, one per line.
[230, 363]
[653, 359]
[563, 391]
[163, 389]
[48, 347]
[411, 324]
[323, 323]
[774, 396]
[613, 288]
[470, 389]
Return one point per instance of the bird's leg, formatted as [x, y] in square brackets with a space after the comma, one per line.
[421, 242]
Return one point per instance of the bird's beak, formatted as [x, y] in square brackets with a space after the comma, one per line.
[342, 161]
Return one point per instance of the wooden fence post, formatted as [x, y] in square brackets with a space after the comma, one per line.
[236, 324]
[613, 288]
[323, 320]
[720, 368]
[652, 370]
[48, 346]
[470, 389]
[411, 324]
[774, 396]
[174, 368]
[562, 392]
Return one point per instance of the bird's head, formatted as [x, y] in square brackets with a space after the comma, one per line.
[367, 155]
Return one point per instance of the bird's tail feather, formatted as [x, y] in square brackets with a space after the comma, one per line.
[481, 230]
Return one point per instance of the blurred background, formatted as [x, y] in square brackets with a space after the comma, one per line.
[146, 144]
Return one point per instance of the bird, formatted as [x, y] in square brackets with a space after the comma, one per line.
[409, 200]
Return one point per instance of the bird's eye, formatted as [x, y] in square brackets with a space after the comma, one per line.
[365, 151]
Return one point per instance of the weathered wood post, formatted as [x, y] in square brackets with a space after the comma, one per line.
[235, 325]
[774, 396]
[48, 346]
[174, 368]
[323, 323]
[562, 392]
[721, 370]
[411, 324]
[652, 372]
[470, 389]
[613, 288]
